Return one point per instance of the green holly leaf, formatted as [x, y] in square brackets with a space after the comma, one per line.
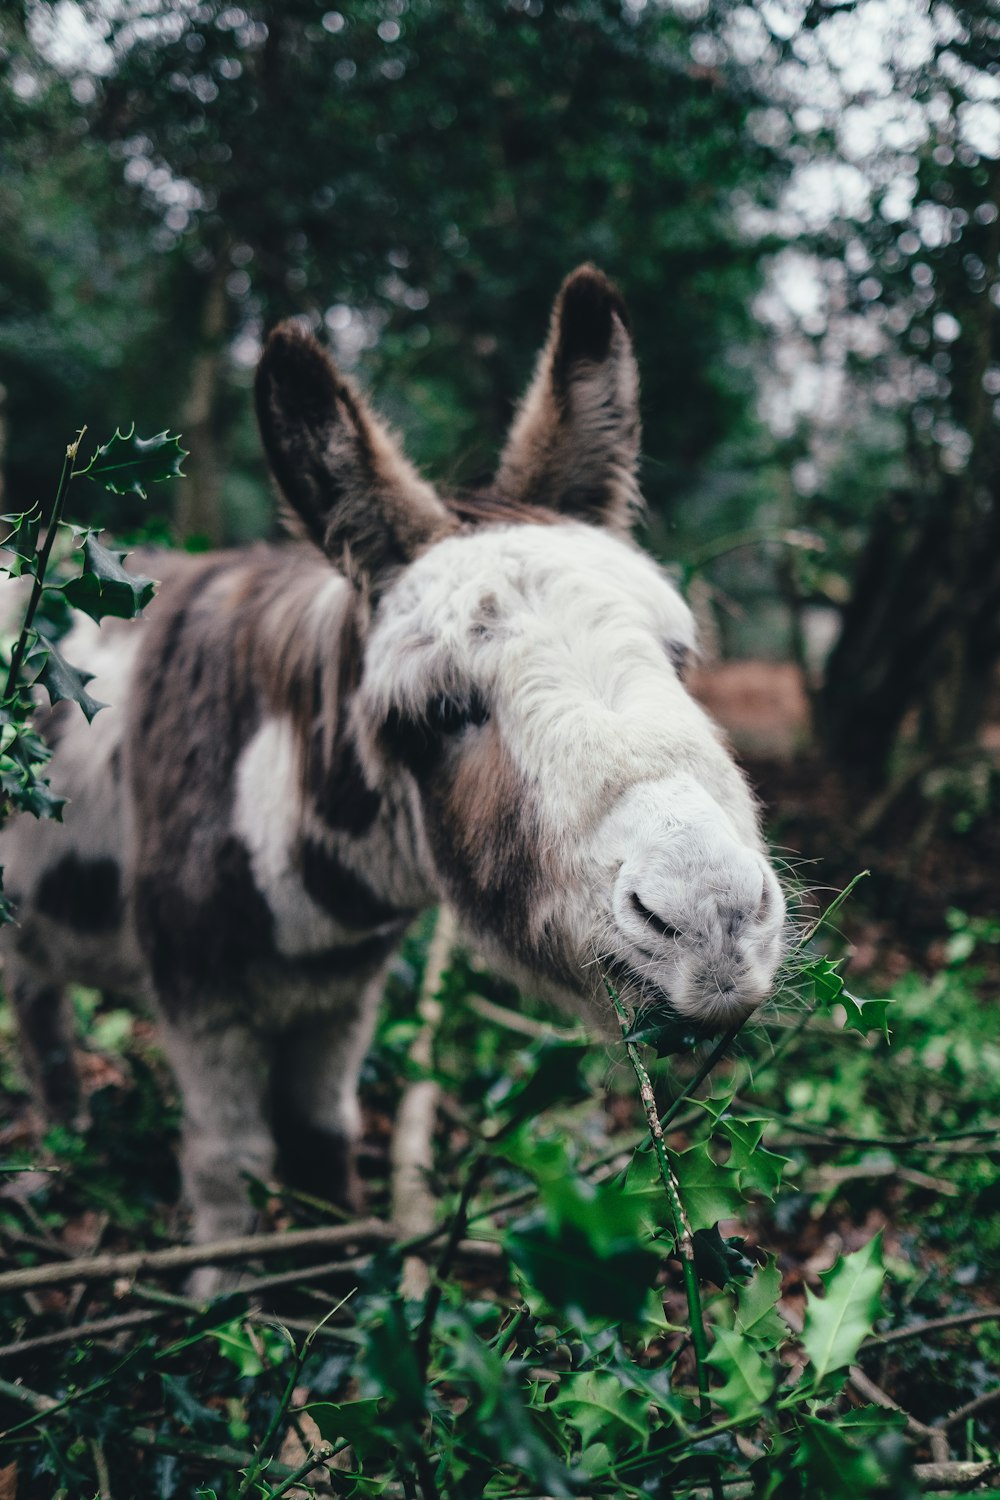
[544, 1074]
[357, 1421]
[717, 1260]
[6, 905]
[104, 588]
[668, 1032]
[22, 539]
[757, 1169]
[835, 1468]
[708, 1192]
[837, 1323]
[63, 682]
[866, 1015]
[585, 1248]
[128, 465]
[597, 1404]
[827, 983]
[757, 1319]
[749, 1379]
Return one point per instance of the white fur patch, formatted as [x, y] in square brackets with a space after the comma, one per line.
[267, 816]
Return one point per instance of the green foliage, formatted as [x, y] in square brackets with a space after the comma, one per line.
[570, 1372]
[102, 588]
[837, 1323]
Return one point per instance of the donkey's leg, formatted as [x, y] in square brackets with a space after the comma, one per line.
[45, 1028]
[226, 1136]
[317, 1116]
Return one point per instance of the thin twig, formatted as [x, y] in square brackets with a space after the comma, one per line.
[318, 1456]
[972, 1408]
[682, 1228]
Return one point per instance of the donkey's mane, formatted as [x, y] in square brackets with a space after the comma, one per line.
[490, 507]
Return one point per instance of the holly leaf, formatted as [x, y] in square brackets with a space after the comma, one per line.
[837, 1323]
[749, 1379]
[22, 539]
[827, 983]
[127, 464]
[717, 1260]
[836, 1469]
[667, 1032]
[866, 1015]
[63, 682]
[357, 1421]
[757, 1169]
[708, 1192]
[596, 1403]
[757, 1319]
[104, 588]
[546, 1073]
[584, 1248]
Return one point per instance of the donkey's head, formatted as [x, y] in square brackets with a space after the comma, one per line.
[522, 674]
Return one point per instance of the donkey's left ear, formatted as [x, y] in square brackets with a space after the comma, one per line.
[350, 484]
[574, 443]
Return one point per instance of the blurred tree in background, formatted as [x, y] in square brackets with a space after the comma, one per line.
[799, 201]
[418, 176]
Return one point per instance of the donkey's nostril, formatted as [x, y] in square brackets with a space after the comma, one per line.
[650, 919]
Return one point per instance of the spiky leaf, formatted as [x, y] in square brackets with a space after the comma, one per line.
[757, 1319]
[757, 1169]
[718, 1260]
[596, 1403]
[104, 588]
[63, 682]
[749, 1379]
[836, 1469]
[357, 1421]
[866, 1015]
[22, 539]
[128, 464]
[709, 1192]
[837, 1323]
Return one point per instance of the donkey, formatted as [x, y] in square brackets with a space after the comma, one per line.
[476, 701]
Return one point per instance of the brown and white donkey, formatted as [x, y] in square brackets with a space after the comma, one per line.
[478, 702]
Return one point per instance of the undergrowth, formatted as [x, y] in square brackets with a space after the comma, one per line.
[828, 1193]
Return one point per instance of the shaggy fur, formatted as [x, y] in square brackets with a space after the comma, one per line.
[476, 701]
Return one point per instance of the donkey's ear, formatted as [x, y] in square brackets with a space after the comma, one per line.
[574, 443]
[350, 485]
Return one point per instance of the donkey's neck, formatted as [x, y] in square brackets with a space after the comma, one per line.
[336, 857]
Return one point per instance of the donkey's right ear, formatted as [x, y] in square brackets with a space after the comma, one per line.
[353, 489]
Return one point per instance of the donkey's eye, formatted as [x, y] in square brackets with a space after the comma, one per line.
[419, 741]
[450, 715]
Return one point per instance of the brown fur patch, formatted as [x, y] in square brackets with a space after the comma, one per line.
[486, 844]
[345, 477]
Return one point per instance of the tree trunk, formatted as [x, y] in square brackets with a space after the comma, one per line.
[921, 635]
[199, 510]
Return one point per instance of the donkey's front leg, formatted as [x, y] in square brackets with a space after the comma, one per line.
[317, 1117]
[223, 1073]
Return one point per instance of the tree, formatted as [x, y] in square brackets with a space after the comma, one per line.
[420, 178]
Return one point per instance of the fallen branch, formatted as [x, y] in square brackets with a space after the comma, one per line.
[933, 1325]
[972, 1408]
[183, 1257]
[963, 1476]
